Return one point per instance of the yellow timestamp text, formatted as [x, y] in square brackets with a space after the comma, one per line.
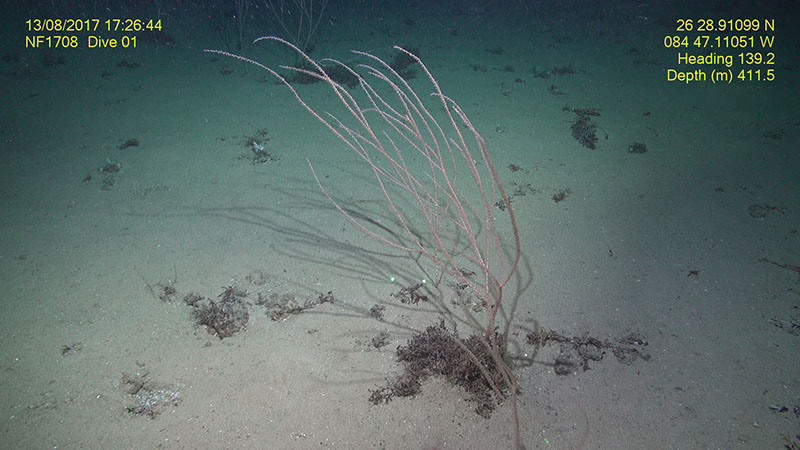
[74, 25]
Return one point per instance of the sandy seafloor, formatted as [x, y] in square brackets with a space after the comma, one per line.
[666, 244]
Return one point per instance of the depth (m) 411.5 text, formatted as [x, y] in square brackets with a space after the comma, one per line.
[721, 76]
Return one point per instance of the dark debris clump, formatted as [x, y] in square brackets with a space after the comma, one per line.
[402, 61]
[284, 310]
[342, 76]
[257, 144]
[577, 351]
[376, 312]
[223, 317]
[585, 132]
[147, 397]
[637, 147]
[410, 295]
[439, 351]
